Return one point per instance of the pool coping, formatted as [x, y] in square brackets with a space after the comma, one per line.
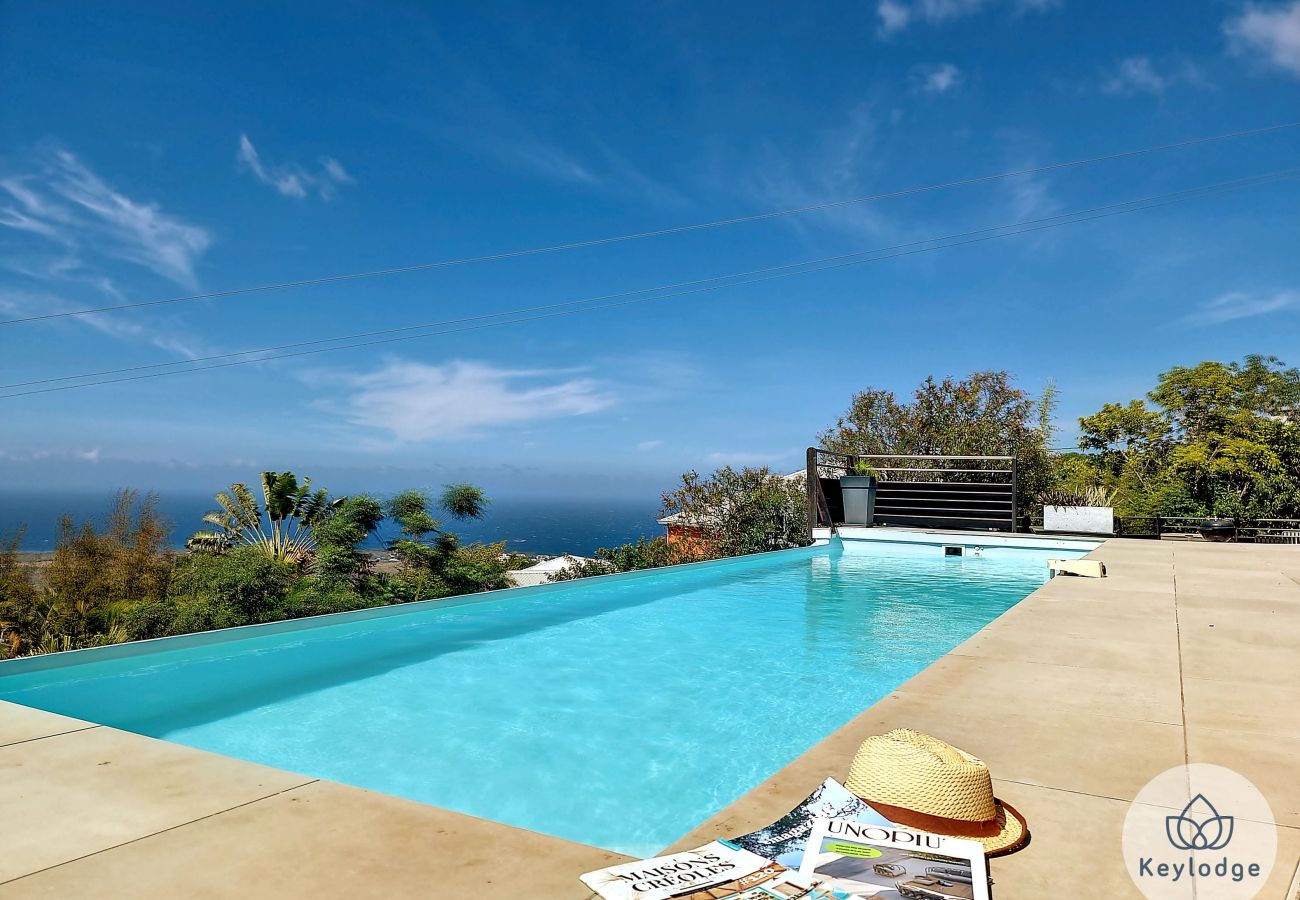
[1099, 684]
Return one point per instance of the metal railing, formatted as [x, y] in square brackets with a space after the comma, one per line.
[1253, 531]
[922, 490]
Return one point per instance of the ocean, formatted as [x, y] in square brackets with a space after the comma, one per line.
[533, 525]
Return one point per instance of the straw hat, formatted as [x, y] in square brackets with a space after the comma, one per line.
[918, 781]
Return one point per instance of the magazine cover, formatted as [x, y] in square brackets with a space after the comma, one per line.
[716, 866]
[784, 840]
[891, 863]
[716, 871]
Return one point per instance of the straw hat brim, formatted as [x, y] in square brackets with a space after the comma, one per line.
[1012, 833]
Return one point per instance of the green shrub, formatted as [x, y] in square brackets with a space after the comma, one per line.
[245, 580]
[314, 597]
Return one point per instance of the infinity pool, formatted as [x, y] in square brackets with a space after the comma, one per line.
[619, 712]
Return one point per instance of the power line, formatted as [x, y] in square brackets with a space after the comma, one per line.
[1169, 196]
[662, 232]
[768, 274]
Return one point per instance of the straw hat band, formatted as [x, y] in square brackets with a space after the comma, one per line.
[939, 825]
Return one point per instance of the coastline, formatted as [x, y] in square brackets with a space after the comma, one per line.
[541, 526]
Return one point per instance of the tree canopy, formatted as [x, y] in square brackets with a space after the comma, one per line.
[746, 510]
[1221, 438]
[296, 552]
[983, 414]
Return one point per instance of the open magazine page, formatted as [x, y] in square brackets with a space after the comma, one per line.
[889, 863]
[784, 840]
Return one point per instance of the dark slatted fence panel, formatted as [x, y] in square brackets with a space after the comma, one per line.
[941, 504]
[975, 493]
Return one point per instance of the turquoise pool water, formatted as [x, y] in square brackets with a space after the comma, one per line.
[619, 712]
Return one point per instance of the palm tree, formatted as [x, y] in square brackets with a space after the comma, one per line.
[291, 510]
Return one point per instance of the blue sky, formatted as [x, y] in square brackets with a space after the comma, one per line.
[148, 151]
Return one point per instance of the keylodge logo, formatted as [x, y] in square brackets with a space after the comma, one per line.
[1199, 826]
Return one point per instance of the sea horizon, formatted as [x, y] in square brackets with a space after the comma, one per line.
[549, 526]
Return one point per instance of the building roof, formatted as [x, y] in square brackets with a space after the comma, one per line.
[554, 565]
[540, 573]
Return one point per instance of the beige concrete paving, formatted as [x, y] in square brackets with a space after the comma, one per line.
[326, 840]
[1075, 697]
[69, 795]
[89, 811]
[18, 723]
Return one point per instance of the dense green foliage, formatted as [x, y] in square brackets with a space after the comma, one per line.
[297, 553]
[644, 553]
[729, 513]
[1217, 438]
[92, 581]
[739, 511]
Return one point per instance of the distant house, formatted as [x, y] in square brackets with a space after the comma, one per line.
[690, 538]
[542, 571]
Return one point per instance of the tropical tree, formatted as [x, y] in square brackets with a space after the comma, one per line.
[22, 616]
[1217, 438]
[282, 529]
[738, 511]
[93, 579]
[339, 561]
[984, 414]
[427, 553]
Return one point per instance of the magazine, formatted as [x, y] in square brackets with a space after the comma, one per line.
[691, 873]
[716, 871]
[784, 840]
[756, 866]
[890, 863]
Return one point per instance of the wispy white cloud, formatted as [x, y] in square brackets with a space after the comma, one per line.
[835, 165]
[292, 179]
[413, 402]
[649, 445]
[1031, 198]
[529, 153]
[1269, 33]
[125, 326]
[1242, 305]
[938, 78]
[584, 161]
[62, 201]
[504, 128]
[41, 454]
[72, 231]
[894, 16]
[1141, 75]
[898, 15]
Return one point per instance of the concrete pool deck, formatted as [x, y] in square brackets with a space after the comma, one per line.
[1075, 697]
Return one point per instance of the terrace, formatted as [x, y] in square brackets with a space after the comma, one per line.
[1075, 697]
